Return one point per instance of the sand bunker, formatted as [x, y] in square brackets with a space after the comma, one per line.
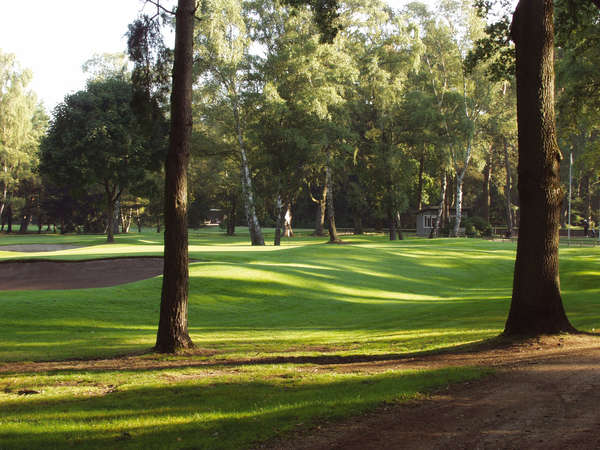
[35, 248]
[39, 275]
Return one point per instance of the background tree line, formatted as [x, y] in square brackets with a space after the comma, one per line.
[363, 131]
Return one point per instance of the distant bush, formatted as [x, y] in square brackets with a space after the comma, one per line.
[477, 226]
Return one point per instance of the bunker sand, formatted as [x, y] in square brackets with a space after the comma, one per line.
[42, 275]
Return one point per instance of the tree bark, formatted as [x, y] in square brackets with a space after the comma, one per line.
[392, 225]
[536, 306]
[231, 219]
[435, 231]
[287, 221]
[487, 175]
[256, 236]
[460, 176]
[333, 236]
[278, 221]
[358, 225]
[507, 192]
[420, 180]
[173, 324]
[320, 211]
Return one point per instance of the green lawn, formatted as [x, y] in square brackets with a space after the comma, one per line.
[304, 299]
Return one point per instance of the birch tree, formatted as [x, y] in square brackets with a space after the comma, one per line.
[21, 126]
[224, 64]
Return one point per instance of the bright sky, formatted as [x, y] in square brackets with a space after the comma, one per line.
[53, 38]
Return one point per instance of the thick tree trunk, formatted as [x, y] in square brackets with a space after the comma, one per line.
[536, 306]
[333, 236]
[507, 193]
[173, 324]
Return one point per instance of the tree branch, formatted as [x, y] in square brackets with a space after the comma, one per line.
[160, 7]
[596, 2]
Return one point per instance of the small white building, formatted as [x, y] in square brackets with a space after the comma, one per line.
[426, 220]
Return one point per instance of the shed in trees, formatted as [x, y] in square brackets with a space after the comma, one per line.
[427, 216]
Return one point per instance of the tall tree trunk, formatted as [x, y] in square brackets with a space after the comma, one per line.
[399, 226]
[507, 192]
[487, 176]
[392, 224]
[110, 213]
[231, 218]
[173, 324]
[435, 231]
[287, 221]
[460, 176]
[9, 214]
[278, 221]
[420, 180]
[587, 205]
[320, 211]
[333, 236]
[536, 305]
[256, 236]
[358, 225]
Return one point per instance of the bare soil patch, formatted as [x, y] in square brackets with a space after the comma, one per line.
[35, 248]
[38, 275]
[544, 395]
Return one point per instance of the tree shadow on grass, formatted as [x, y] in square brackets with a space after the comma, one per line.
[230, 413]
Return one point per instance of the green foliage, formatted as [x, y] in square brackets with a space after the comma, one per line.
[96, 141]
[477, 226]
[22, 123]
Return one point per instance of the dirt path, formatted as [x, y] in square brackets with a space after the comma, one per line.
[540, 397]
[36, 275]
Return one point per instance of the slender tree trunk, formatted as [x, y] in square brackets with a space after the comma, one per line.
[231, 219]
[320, 211]
[536, 305]
[358, 225]
[110, 214]
[487, 176]
[278, 221]
[173, 324]
[507, 192]
[435, 231]
[256, 236]
[287, 221]
[333, 236]
[392, 224]
[399, 226]
[420, 180]
[460, 176]
[9, 218]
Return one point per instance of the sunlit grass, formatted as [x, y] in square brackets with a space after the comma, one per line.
[372, 298]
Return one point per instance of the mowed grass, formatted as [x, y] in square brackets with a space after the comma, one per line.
[260, 317]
